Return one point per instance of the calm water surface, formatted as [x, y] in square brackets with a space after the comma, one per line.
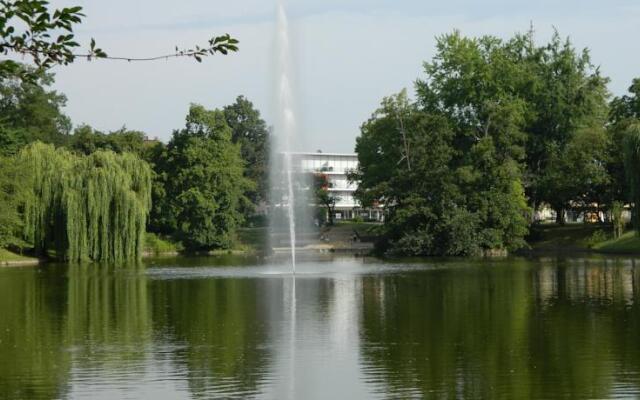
[346, 328]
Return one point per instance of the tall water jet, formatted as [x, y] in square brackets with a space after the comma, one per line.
[283, 196]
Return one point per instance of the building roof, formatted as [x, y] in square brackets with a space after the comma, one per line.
[313, 153]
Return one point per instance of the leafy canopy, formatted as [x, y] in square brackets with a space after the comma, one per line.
[249, 130]
[29, 111]
[91, 207]
[202, 184]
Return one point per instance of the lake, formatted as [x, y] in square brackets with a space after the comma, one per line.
[345, 328]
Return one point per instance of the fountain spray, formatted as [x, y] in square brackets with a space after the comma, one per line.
[286, 124]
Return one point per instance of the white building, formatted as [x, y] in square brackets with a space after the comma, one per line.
[336, 166]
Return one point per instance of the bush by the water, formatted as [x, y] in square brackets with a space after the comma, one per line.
[154, 244]
[596, 237]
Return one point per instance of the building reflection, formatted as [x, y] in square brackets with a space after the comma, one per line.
[545, 330]
[599, 280]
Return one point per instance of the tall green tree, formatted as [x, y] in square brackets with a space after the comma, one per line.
[631, 147]
[87, 140]
[627, 106]
[441, 198]
[161, 218]
[566, 96]
[577, 177]
[29, 111]
[14, 184]
[624, 113]
[553, 93]
[468, 82]
[251, 132]
[204, 186]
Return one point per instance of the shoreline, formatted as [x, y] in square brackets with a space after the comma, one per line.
[21, 263]
[30, 262]
[534, 250]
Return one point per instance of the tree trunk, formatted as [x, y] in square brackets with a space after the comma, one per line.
[560, 220]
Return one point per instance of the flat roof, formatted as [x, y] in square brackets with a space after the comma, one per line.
[309, 153]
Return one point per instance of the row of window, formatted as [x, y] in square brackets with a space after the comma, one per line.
[339, 164]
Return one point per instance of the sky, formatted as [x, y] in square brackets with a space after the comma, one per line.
[347, 55]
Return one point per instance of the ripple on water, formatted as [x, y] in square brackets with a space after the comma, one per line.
[303, 270]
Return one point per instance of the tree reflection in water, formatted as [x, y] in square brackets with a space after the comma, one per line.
[515, 328]
[220, 331]
[559, 328]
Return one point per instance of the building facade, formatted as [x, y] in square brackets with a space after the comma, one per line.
[336, 167]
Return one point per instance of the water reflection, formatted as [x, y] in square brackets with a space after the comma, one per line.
[353, 328]
[33, 360]
[219, 333]
[560, 328]
[108, 330]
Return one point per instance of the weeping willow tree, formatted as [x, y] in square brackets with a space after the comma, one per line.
[91, 207]
[632, 168]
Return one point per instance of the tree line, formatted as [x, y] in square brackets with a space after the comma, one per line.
[82, 194]
[498, 130]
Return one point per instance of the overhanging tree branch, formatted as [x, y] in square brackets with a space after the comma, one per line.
[218, 44]
[30, 28]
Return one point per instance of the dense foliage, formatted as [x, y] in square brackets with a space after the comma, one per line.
[566, 102]
[198, 182]
[200, 185]
[29, 111]
[250, 131]
[13, 194]
[86, 207]
[449, 167]
[86, 140]
[499, 129]
[92, 202]
[631, 146]
[624, 159]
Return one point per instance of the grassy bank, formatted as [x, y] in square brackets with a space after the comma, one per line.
[248, 240]
[9, 258]
[156, 245]
[629, 243]
[570, 237]
[582, 238]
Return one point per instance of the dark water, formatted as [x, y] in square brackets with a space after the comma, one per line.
[356, 329]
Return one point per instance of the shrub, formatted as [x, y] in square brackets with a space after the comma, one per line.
[154, 244]
[597, 237]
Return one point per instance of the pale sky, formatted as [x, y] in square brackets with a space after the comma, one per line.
[348, 55]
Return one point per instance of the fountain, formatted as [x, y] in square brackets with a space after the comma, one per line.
[284, 180]
[282, 172]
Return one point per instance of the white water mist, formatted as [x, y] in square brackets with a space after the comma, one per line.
[283, 174]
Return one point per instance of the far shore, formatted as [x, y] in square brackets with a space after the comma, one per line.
[570, 239]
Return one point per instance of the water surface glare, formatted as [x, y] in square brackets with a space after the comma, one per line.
[344, 328]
